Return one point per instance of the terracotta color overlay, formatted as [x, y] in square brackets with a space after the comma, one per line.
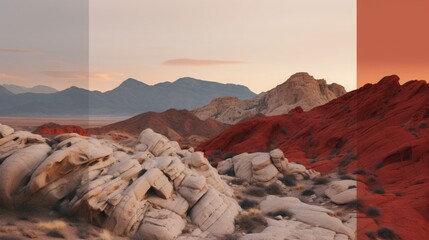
[392, 38]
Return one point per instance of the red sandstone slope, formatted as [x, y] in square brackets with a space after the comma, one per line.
[55, 129]
[381, 129]
[178, 125]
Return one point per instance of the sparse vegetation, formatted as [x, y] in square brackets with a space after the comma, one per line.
[371, 235]
[230, 172]
[372, 212]
[355, 204]
[423, 125]
[379, 190]
[321, 180]
[283, 213]
[237, 181]
[372, 180]
[308, 192]
[228, 155]
[251, 223]
[346, 160]
[55, 234]
[386, 233]
[230, 237]
[256, 191]
[347, 177]
[289, 180]
[379, 165]
[360, 172]
[247, 204]
[342, 172]
[274, 189]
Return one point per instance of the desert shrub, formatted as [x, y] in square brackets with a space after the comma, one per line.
[307, 192]
[247, 204]
[360, 172]
[283, 213]
[251, 223]
[346, 160]
[342, 172]
[274, 189]
[217, 153]
[321, 180]
[230, 237]
[351, 187]
[228, 155]
[372, 180]
[289, 180]
[230, 172]
[418, 182]
[55, 234]
[379, 165]
[379, 190]
[386, 233]
[347, 177]
[372, 212]
[354, 205]
[371, 235]
[237, 181]
[256, 191]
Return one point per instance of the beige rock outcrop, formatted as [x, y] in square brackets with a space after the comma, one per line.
[342, 192]
[150, 192]
[263, 168]
[309, 214]
[301, 89]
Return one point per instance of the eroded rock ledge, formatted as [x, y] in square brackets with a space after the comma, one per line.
[150, 192]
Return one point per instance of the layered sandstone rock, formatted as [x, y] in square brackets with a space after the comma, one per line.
[300, 90]
[150, 192]
[263, 168]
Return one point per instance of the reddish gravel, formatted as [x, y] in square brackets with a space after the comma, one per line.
[380, 128]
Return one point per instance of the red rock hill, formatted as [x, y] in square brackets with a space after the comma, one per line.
[55, 129]
[179, 125]
[379, 131]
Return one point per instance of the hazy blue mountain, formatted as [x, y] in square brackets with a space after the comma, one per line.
[4, 91]
[130, 98]
[36, 89]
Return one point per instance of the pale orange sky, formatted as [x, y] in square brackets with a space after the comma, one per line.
[255, 43]
[393, 38]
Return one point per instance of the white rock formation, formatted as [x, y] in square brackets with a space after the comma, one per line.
[309, 214]
[263, 167]
[151, 192]
[342, 192]
[292, 230]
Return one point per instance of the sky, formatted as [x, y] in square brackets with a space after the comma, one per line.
[254, 43]
[392, 38]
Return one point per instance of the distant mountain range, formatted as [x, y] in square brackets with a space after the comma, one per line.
[129, 98]
[300, 90]
[15, 89]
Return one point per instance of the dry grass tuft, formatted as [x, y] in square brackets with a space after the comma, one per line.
[55, 225]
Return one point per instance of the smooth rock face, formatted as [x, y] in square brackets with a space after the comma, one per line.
[310, 214]
[145, 193]
[342, 192]
[288, 229]
[263, 167]
[300, 89]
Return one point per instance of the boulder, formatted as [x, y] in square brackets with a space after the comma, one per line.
[309, 214]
